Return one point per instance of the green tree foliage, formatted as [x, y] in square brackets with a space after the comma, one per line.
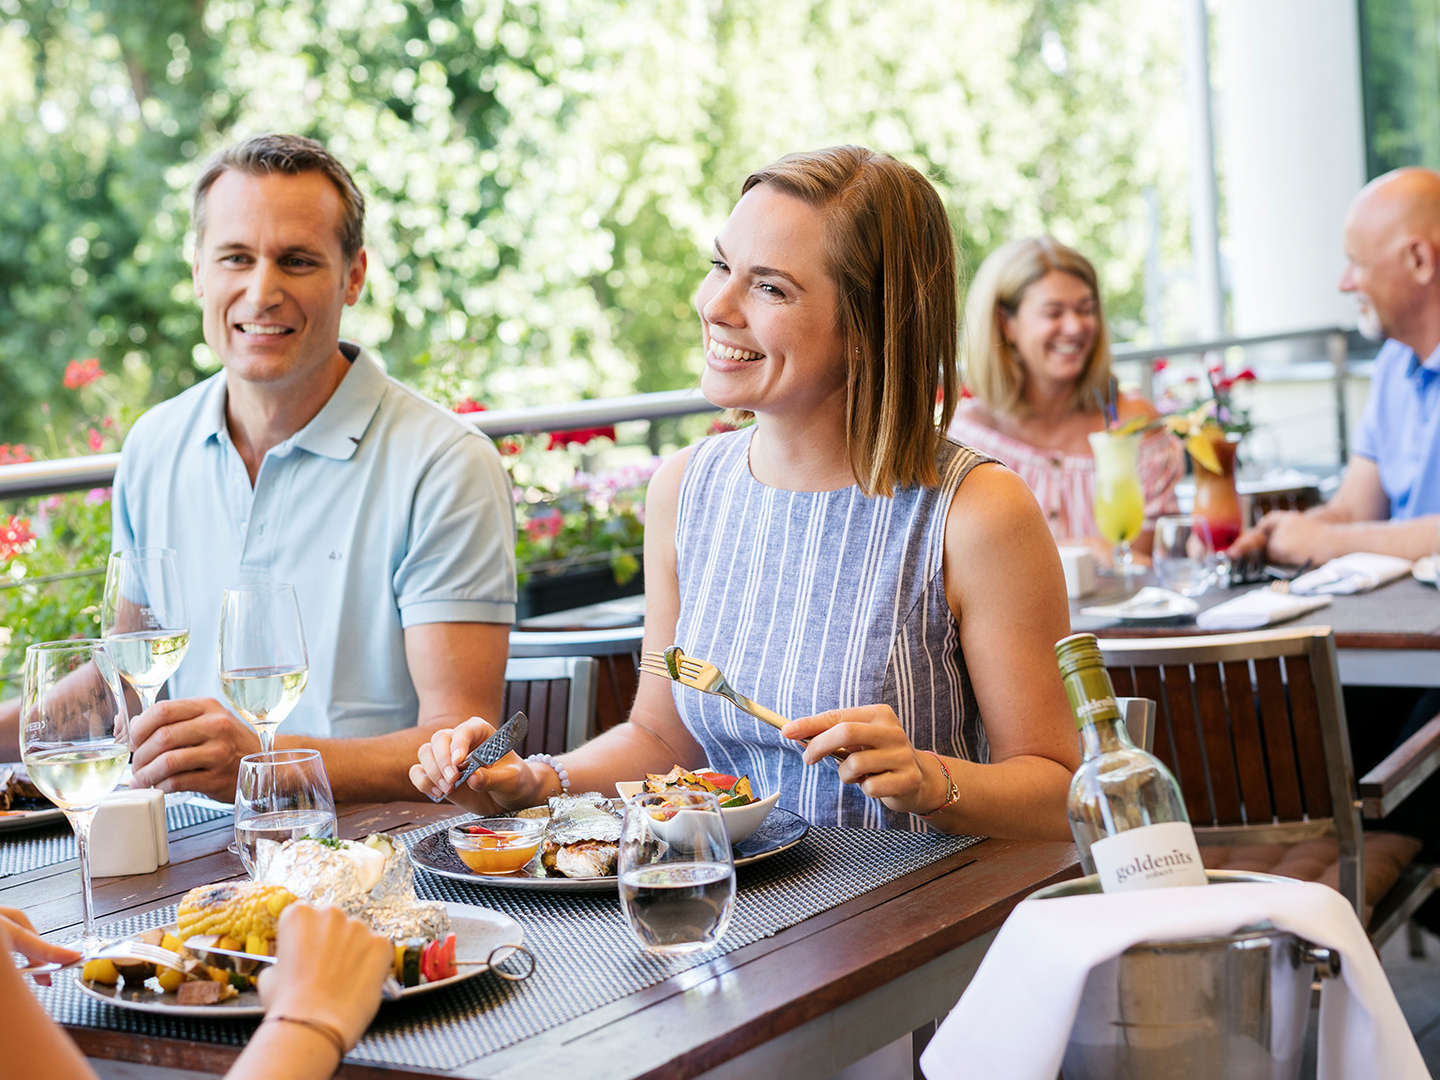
[1400, 73]
[544, 175]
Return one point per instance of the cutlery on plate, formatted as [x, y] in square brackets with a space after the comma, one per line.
[704, 676]
[389, 989]
[508, 736]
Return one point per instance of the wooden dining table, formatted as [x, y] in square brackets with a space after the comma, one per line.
[1388, 636]
[802, 1003]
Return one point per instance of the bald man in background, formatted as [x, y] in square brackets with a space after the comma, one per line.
[1389, 499]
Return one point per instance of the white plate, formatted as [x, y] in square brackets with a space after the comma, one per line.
[29, 819]
[1148, 605]
[478, 931]
[1427, 570]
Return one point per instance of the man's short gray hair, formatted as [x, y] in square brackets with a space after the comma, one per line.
[289, 155]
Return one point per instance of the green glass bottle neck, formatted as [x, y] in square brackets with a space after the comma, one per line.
[1104, 736]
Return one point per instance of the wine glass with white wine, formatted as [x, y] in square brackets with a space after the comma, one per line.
[142, 619]
[73, 737]
[263, 666]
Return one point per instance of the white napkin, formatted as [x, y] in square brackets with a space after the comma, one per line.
[1360, 571]
[1015, 1017]
[1258, 607]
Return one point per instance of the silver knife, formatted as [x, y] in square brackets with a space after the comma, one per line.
[389, 990]
[508, 736]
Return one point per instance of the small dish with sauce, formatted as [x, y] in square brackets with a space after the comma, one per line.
[497, 845]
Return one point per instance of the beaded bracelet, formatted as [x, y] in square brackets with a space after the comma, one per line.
[320, 1027]
[952, 794]
[557, 767]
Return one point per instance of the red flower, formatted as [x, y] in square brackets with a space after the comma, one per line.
[14, 534]
[80, 373]
[14, 454]
[509, 447]
[1159, 364]
[719, 427]
[1246, 375]
[469, 405]
[543, 526]
[96, 441]
[579, 436]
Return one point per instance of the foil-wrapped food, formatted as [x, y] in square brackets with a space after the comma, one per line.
[582, 839]
[370, 879]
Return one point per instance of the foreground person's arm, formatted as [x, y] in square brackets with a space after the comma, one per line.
[1005, 588]
[34, 1044]
[652, 740]
[195, 744]
[319, 996]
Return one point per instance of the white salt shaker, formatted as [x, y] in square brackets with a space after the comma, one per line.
[129, 835]
[1078, 563]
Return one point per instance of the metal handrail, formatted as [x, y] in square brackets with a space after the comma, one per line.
[71, 474]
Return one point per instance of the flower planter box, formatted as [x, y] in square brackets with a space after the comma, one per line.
[542, 594]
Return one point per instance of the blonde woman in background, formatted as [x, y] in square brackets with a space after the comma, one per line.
[1036, 357]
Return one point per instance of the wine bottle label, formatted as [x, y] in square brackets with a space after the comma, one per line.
[1150, 857]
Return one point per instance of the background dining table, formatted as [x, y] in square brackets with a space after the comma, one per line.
[804, 1001]
[1388, 636]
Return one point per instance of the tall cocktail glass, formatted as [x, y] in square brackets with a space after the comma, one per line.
[1119, 503]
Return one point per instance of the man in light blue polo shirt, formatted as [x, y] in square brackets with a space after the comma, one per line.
[303, 462]
[1389, 499]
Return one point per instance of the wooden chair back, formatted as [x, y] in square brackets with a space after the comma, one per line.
[617, 656]
[557, 693]
[1253, 727]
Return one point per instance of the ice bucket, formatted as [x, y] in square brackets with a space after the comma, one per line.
[1232, 1006]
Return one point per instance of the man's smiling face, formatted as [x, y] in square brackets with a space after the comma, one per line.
[272, 277]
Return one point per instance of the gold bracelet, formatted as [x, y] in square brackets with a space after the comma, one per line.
[952, 794]
[331, 1034]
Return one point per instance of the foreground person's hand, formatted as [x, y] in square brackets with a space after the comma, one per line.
[17, 934]
[329, 969]
[509, 784]
[881, 762]
[191, 744]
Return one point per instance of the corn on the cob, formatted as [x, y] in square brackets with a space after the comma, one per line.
[240, 910]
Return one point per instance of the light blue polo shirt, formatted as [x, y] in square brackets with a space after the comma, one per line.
[385, 511]
[1400, 431]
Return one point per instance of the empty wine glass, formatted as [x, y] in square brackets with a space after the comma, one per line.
[263, 666]
[281, 795]
[1119, 503]
[142, 618]
[1185, 556]
[73, 738]
[677, 873]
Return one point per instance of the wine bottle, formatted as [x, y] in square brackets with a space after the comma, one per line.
[1126, 812]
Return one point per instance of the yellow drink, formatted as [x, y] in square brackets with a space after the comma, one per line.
[1119, 504]
[1119, 511]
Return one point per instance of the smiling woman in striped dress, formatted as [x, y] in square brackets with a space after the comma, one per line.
[840, 559]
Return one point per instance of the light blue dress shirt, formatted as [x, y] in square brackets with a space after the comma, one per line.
[1401, 429]
[385, 511]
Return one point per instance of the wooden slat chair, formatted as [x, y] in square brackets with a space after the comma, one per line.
[557, 693]
[617, 658]
[1253, 726]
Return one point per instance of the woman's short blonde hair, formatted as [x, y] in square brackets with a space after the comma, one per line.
[892, 258]
[991, 365]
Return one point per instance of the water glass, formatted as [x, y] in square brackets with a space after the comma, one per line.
[281, 795]
[1184, 555]
[677, 874]
[142, 618]
[263, 663]
[73, 738]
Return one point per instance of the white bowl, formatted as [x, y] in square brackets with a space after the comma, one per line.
[740, 821]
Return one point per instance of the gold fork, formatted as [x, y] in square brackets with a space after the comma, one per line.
[707, 678]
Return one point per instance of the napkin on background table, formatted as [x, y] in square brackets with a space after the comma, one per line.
[1014, 1019]
[1360, 571]
[1258, 607]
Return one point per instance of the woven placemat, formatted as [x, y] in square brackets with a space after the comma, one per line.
[51, 844]
[586, 956]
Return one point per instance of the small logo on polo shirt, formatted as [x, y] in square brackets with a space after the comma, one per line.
[335, 556]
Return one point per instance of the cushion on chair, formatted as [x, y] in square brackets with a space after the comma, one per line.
[1386, 855]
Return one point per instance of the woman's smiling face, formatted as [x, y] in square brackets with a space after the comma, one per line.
[769, 310]
[1054, 328]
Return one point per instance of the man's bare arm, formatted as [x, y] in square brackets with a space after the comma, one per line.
[1355, 519]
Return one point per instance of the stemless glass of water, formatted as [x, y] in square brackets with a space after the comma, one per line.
[1184, 554]
[677, 874]
[73, 738]
[281, 795]
[142, 618]
[263, 665]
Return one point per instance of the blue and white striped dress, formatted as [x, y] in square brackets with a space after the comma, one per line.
[811, 601]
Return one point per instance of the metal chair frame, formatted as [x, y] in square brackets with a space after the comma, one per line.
[578, 672]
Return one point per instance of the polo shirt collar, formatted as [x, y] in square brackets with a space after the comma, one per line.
[336, 430]
[1424, 371]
